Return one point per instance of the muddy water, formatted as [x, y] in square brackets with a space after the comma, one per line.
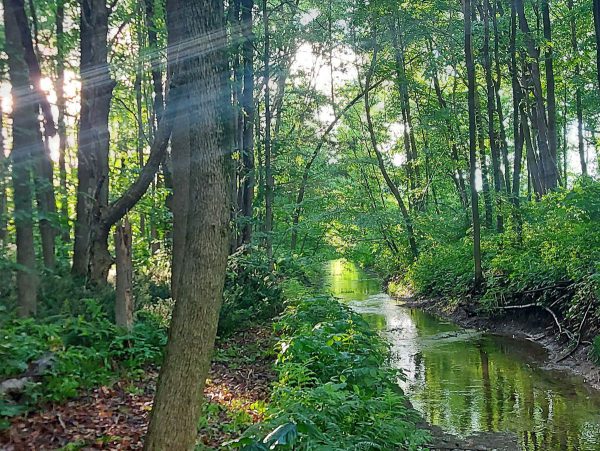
[465, 381]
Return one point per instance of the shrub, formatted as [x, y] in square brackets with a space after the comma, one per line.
[334, 390]
[252, 292]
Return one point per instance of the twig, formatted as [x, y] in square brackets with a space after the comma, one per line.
[578, 335]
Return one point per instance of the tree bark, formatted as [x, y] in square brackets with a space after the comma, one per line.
[550, 83]
[90, 252]
[200, 278]
[578, 105]
[548, 170]
[248, 111]
[124, 284]
[596, 11]
[61, 126]
[269, 180]
[472, 141]
[26, 138]
[491, 113]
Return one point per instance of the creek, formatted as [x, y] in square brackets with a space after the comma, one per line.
[465, 381]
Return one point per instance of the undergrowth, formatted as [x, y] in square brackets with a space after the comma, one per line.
[335, 390]
[79, 352]
[554, 260]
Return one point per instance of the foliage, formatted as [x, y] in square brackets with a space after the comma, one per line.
[596, 349]
[252, 292]
[559, 245]
[334, 390]
[86, 350]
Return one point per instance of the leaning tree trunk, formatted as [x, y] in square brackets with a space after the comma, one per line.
[550, 83]
[269, 180]
[203, 167]
[90, 252]
[27, 142]
[391, 185]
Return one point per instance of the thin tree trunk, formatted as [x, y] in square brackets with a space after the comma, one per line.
[548, 170]
[26, 137]
[472, 141]
[200, 279]
[391, 185]
[578, 105]
[491, 113]
[3, 185]
[124, 283]
[485, 177]
[61, 125]
[550, 83]
[596, 11]
[248, 118]
[269, 181]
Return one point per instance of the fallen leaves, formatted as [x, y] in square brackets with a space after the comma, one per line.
[116, 417]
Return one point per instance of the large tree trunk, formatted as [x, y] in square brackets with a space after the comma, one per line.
[27, 142]
[472, 141]
[485, 176]
[248, 115]
[200, 278]
[90, 253]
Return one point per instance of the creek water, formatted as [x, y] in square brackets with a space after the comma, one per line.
[465, 381]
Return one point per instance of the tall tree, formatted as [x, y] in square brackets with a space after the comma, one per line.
[90, 252]
[27, 143]
[198, 61]
[471, 82]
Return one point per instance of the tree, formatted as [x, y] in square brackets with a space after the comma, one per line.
[200, 151]
[27, 143]
[470, 63]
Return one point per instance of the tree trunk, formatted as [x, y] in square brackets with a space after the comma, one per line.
[485, 177]
[472, 141]
[269, 180]
[62, 128]
[491, 113]
[550, 83]
[3, 185]
[391, 185]
[578, 105]
[596, 10]
[548, 170]
[90, 253]
[203, 164]
[124, 284]
[248, 118]
[26, 138]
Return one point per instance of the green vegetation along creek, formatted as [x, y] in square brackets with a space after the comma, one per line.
[465, 381]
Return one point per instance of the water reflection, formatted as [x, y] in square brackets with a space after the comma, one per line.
[466, 382]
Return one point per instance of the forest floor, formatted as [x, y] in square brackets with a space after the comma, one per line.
[116, 417]
[534, 326]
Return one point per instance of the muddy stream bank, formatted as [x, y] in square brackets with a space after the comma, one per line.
[477, 390]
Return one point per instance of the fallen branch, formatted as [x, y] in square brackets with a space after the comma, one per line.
[568, 354]
[561, 330]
